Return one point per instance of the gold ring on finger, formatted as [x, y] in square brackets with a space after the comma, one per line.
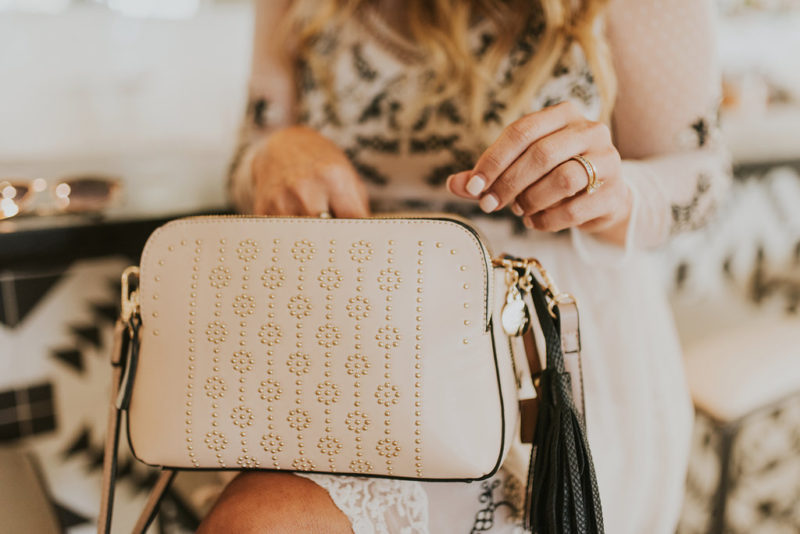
[594, 183]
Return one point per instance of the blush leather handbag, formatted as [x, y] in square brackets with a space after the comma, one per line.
[390, 346]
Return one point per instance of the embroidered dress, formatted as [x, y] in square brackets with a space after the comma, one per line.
[639, 415]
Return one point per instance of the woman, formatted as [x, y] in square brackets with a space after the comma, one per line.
[478, 107]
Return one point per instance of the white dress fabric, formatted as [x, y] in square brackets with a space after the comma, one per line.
[639, 415]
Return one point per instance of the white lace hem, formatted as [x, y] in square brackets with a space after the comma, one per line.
[377, 505]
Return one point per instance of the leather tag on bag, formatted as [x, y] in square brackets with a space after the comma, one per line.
[529, 408]
[529, 414]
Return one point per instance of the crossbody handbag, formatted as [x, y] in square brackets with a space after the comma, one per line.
[390, 346]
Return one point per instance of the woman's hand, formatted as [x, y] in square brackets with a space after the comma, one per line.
[529, 168]
[297, 171]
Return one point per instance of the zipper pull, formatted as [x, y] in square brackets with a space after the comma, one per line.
[515, 315]
[129, 304]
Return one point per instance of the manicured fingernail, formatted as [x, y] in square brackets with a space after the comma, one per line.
[527, 222]
[516, 209]
[475, 185]
[488, 202]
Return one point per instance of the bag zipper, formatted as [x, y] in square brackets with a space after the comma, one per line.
[489, 260]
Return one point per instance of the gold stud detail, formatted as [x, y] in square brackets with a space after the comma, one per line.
[272, 443]
[328, 335]
[299, 419]
[357, 421]
[270, 334]
[328, 393]
[387, 394]
[273, 277]
[215, 387]
[361, 251]
[244, 305]
[248, 250]
[303, 250]
[215, 440]
[299, 306]
[243, 361]
[242, 416]
[360, 466]
[220, 277]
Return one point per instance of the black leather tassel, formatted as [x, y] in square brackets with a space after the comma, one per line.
[562, 494]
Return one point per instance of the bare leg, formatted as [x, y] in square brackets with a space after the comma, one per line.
[274, 503]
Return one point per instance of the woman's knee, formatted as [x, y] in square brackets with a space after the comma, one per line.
[259, 502]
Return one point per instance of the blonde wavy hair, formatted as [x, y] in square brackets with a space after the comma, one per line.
[440, 29]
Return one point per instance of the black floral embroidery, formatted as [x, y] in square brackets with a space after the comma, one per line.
[690, 216]
[551, 101]
[330, 114]
[379, 105]
[524, 48]
[560, 69]
[257, 111]
[366, 171]
[379, 144]
[487, 40]
[432, 143]
[325, 43]
[588, 76]
[306, 81]
[422, 120]
[447, 110]
[493, 110]
[373, 109]
[364, 70]
[485, 517]
[584, 93]
[438, 175]
[702, 129]
[462, 160]
[765, 284]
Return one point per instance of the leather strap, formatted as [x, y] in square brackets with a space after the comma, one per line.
[153, 500]
[119, 347]
[123, 350]
[571, 347]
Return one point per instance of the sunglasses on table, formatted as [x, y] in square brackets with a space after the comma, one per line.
[78, 194]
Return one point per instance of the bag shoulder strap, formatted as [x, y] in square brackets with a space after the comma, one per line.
[570, 331]
[123, 350]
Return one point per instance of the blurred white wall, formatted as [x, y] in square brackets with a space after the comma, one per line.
[90, 90]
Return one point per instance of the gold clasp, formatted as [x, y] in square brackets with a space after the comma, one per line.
[552, 294]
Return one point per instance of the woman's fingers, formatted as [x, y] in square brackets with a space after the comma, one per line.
[300, 172]
[280, 202]
[581, 209]
[571, 212]
[541, 157]
[348, 206]
[347, 194]
[310, 197]
[457, 184]
[514, 140]
[566, 180]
